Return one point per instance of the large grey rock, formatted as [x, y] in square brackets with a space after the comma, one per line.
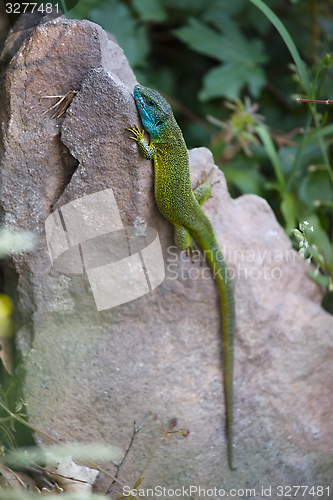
[90, 373]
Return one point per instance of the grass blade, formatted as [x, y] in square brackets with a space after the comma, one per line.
[288, 41]
[322, 132]
[272, 154]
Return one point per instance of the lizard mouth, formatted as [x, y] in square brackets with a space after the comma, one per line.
[137, 92]
[139, 100]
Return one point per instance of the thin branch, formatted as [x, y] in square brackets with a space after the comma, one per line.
[326, 101]
[135, 432]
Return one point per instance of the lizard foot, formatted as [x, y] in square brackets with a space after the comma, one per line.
[194, 252]
[204, 190]
[138, 134]
[207, 180]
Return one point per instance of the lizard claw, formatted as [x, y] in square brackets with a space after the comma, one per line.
[193, 252]
[138, 134]
[209, 178]
[204, 179]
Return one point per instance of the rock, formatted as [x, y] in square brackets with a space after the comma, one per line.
[20, 31]
[37, 165]
[90, 373]
[72, 478]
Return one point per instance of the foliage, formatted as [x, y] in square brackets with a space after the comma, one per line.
[260, 55]
[242, 59]
[11, 242]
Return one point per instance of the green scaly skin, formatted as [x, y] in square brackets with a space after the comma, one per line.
[178, 202]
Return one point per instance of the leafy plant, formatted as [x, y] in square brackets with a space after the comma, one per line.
[316, 190]
[242, 58]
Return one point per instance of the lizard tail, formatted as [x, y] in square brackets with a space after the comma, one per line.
[221, 273]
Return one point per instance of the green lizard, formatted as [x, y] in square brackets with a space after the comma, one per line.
[178, 202]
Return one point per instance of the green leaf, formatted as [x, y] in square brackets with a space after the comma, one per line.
[319, 278]
[273, 186]
[116, 18]
[256, 80]
[242, 59]
[320, 238]
[150, 10]
[290, 210]
[288, 41]
[209, 42]
[258, 20]
[188, 5]
[82, 9]
[218, 12]
[287, 157]
[228, 80]
[137, 483]
[206, 41]
[272, 154]
[247, 181]
[242, 171]
[316, 186]
[322, 132]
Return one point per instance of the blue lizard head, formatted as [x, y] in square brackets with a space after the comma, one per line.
[154, 110]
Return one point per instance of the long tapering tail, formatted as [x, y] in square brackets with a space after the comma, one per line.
[221, 272]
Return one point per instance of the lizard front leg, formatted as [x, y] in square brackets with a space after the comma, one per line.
[148, 151]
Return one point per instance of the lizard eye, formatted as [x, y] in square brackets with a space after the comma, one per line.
[149, 103]
[159, 122]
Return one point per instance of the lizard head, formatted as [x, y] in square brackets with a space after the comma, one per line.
[154, 110]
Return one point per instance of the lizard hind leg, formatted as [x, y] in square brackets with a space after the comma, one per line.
[185, 241]
[204, 190]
